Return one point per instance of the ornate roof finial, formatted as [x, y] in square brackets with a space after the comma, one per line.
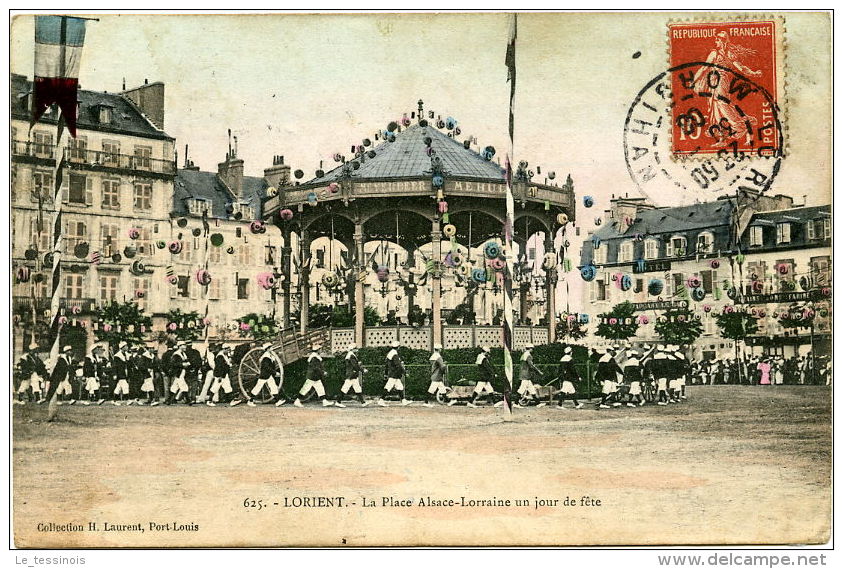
[421, 109]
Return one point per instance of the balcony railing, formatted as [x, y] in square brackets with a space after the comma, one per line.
[95, 158]
[24, 303]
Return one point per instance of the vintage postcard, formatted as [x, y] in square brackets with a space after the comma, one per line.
[420, 279]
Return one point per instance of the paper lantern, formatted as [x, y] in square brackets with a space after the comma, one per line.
[583, 318]
[497, 264]
[449, 230]
[549, 261]
[562, 218]
[81, 250]
[456, 259]
[266, 280]
[613, 321]
[728, 309]
[598, 221]
[643, 319]
[257, 227]
[707, 308]
[443, 207]
[203, 277]
[172, 279]
[714, 264]
[625, 282]
[76, 309]
[783, 269]
[698, 294]
[588, 273]
[134, 233]
[311, 198]
[615, 277]
[217, 239]
[588, 201]
[23, 274]
[464, 270]
[175, 247]
[106, 327]
[181, 222]
[826, 291]
[478, 275]
[492, 249]
[230, 250]
[139, 293]
[437, 181]
[330, 279]
[161, 244]
[333, 187]
[62, 319]
[655, 287]
[757, 287]
[694, 282]
[488, 153]
[245, 327]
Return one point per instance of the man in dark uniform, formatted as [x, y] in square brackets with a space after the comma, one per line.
[394, 371]
[353, 377]
[194, 372]
[315, 375]
[269, 366]
[607, 375]
[62, 372]
[487, 374]
[178, 368]
[121, 373]
[568, 378]
[32, 373]
[221, 379]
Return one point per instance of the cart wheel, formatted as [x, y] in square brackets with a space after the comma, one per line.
[248, 373]
[442, 397]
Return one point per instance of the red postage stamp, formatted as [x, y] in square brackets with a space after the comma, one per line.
[729, 78]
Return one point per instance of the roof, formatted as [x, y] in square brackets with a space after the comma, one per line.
[207, 185]
[671, 220]
[126, 118]
[407, 157]
[793, 215]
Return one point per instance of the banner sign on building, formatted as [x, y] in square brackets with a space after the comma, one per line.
[651, 266]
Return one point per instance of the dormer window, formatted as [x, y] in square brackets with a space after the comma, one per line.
[677, 246]
[244, 209]
[104, 114]
[599, 255]
[705, 242]
[651, 249]
[625, 252]
[783, 232]
[198, 206]
[756, 236]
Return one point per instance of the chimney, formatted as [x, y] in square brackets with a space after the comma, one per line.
[278, 175]
[231, 174]
[625, 210]
[149, 98]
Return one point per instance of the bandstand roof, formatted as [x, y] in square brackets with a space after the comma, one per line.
[407, 157]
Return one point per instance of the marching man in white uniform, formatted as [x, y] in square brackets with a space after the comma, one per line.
[315, 375]
[269, 367]
[221, 380]
[438, 374]
[121, 372]
[179, 363]
[147, 367]
[353, 374]
[394, 375]
[526, 373]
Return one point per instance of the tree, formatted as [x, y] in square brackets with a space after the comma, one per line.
[797, 317]
[185, 325]
[258, 327]
[618, 324]
[121, 322]
[736, 325]
[679, 326]
[343, 317]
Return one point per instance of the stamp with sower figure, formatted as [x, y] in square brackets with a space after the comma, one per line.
[711, 123]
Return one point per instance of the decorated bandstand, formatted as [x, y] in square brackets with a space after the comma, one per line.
[415, 214]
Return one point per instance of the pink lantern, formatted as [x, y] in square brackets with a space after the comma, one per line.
[643, 319]
[62, 319]
[134, 233]
[443, 207]
[334, 187]
[143, 328]
[715, 264]
[257, 226]
[728, 309]
[172, 326]
[497, 264]
[175, 247]
[172, 279]
[203, 277]
[613, 321]
[244, 326]
[76, 309]
[707, 308]
[106, 327]
[140, 293]
[286, 214]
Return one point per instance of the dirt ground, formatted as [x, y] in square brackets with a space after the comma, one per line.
[731, 465]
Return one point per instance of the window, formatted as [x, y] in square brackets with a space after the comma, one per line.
[531, 254]
[144, 243]
[108, 238]
[108, 287]
[269, 256]
[143, 157]
[705, 242]
[104, 114]
[216, 286]
[43, 146]
[215, 256]
[676, 246]
[72, 285]
[827, 228]
[820, 267]
[79, 149]
[651, 249]
[625, 252]
[242, 289]
[79, 191]
[600, 255]
[186, 254]
[110, 152]
[756, 236]
[787, 277]
[42, 186]
[244, 209]
[244, 255]
[709, 281]
[143, 196]
[783, 232]
[678, 281]
[41, 238]
[320, 258]
[141, 285]
[183, 286]
[111, 194]
[598, 290]
[197, 206]
[76, 232]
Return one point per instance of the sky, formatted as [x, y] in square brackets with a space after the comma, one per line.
[307, 86]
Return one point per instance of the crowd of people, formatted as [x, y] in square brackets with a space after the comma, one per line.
[137, 375]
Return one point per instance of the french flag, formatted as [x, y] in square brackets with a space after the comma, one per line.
[58, 52]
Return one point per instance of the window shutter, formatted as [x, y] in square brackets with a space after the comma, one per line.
[89, 191]
[810, 229]
[65, 189]
[668, 249]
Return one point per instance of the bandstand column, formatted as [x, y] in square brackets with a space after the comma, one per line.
[523, 287]
[359, 297]
[550, 294]
[436, 284]
[304, 281]
[286, 254]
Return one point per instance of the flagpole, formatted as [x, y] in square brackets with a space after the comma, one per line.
[509, 226]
